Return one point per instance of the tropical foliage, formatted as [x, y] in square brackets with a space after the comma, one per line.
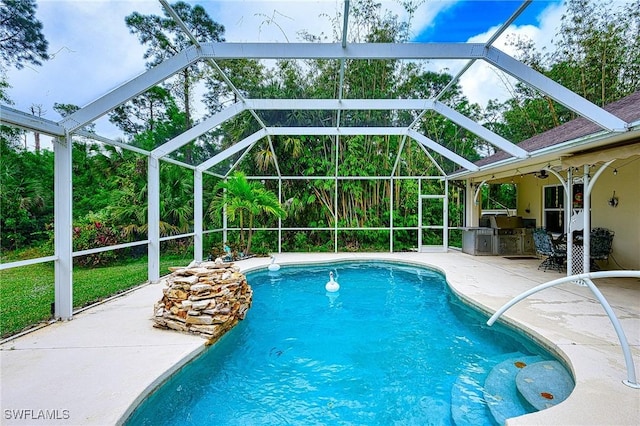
[597, 44]
[244, 200]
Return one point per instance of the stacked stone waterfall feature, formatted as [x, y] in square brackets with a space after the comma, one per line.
[207, 298]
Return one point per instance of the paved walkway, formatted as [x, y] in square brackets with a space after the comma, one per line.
[93, 370]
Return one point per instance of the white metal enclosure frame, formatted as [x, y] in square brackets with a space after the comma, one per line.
[73, 124]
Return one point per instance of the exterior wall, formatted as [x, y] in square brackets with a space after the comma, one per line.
[624, 220]
[530, 196]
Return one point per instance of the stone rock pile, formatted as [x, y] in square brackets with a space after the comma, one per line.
[206, 298]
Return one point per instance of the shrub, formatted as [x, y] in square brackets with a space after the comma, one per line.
[94, 235]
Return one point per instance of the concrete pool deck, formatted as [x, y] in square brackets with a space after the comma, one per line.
[93, 369]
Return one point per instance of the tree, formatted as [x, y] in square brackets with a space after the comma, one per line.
[599, 43]
[38, 111]
[67, 109]
[142, 113]
[248, 71]
[244, 199]
[165, 38]
[596, 55]
[21, 38]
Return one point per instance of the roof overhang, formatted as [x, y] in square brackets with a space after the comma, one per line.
[591, 149]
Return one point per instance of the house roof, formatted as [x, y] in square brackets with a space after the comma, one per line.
[627, 108]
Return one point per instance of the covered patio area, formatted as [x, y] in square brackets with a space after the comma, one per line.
[97, 367]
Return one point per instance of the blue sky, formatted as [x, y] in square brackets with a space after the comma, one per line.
[465, 19]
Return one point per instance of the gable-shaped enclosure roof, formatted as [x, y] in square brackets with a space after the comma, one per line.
[344, 53]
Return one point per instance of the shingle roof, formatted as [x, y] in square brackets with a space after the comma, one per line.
[628, 109]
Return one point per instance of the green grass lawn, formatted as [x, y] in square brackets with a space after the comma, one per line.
[26, 293]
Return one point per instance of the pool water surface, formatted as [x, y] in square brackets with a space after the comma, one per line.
[386, 349]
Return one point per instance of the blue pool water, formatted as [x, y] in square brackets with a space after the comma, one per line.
[386, 349]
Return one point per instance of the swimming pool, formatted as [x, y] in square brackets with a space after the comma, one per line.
[388, 348]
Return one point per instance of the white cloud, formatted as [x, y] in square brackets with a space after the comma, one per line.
[92, 51]
[425, 15]
[482, 82]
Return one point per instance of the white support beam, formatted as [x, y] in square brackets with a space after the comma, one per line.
[243, 144]
[324, 131]
[337, 104]
[237, 93]
[377, 104]
[479, 130]
[445, 216]
[453, 81]
[508, 22]
[489, 42]
[345, 28]
[442, 150]
[345, 23]
[586, 224]
[63, 245]
[433, 160]
[130, 89]
[336, 131]
[13, 117]
[198, 130]
[372, 131]
[336, 51]
[350, 131]
[197, 215]
[225, 50]
[153, 218]
[554, 90]
[107, 141]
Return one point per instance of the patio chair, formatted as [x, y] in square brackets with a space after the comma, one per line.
[601, 246]
[555, 252]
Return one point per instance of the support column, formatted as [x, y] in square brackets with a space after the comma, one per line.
[586, 232]
[419, 219]
[589, 182]
[153, 218]
[477, 205]
[391, 214]
[469, 204]
[280, 219]
[197, 215]
[63, 222]
[568, 214]
[335, 198]
[445, 213]
[225, 231]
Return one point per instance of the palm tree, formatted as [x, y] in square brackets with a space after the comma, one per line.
[244, 199]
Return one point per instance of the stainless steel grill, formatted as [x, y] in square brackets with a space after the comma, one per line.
[498, 235]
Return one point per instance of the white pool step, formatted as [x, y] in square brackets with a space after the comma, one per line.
[544, 384]
[507, 386]
[500, 391]
[468, 406]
